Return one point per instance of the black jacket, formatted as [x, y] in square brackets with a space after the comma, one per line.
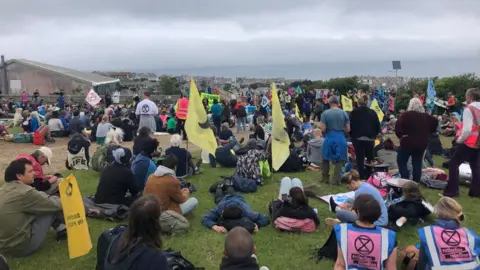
[285, 209]
[364, 122]
[115, 181]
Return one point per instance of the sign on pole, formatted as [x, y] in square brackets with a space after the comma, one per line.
[92, 98]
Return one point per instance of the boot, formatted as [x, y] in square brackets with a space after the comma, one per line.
[326, 172]
[336, 172]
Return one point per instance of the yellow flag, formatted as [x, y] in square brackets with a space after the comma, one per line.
[79, 241]
[374, 106]
[280, 140]
[197, 125]
[347, 104]
[297, 113]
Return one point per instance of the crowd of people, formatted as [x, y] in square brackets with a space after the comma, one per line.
[154, 185]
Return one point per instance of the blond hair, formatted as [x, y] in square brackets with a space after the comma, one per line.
[447, 209]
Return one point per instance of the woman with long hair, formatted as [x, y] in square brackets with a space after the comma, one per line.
[293, 204]
[140, 246]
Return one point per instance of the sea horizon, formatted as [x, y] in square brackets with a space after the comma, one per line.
[327, 70]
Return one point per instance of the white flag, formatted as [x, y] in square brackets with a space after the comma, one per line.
[92, 98]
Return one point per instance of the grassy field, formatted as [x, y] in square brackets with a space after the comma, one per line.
[204, 246]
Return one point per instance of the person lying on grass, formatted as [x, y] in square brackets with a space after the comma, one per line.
[234, 211]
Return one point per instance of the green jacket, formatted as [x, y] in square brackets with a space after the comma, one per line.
[20, 204]
[171, 123]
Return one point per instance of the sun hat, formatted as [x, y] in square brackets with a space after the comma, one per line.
[47, 152]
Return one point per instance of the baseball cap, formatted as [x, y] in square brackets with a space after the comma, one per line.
[47, 152]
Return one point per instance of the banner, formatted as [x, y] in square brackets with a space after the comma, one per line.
[374, 106]
[79, 241]
[197, 125]
[210, 98]
[280, 139]
[92, 98]
[347, 104]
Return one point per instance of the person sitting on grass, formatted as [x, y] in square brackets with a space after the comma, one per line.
[163, 184]
[314, 149]
[239, 251]
[145, 135]
[143, 165]
[45, 183]
[293, 204]
[185, 166]
[247, 172]
[234, 211]
[117, 183]
[26, 214]
[344, 212]
[225, 134]
[102, 129]
[171, 124]
[362, 245]
[446, 244]
[410, 207]
[140, 246]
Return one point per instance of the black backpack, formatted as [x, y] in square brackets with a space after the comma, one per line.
[221, 189]
[241, 112]
[176, 261]
[103, 243]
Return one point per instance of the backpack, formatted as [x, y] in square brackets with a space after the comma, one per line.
[241, 111]
[173, 223]
[294, 225]
[38, 139]
[237, 220]
[176, 261]
[379, 180]
[103, 243]
[430, 182]
[265, 171]
[102, 157]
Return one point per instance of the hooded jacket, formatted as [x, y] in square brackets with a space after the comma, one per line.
[314, 151]
[211, 218]
[142, 167]
[163, 184]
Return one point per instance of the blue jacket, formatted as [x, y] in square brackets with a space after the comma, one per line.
[34, 125]
[64, 122]
[61, 102]
[142, 167]
[216, 109]
[211, 218]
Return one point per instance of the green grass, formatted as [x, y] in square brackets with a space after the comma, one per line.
[204, 247]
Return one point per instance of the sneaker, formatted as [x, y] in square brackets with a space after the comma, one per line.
[332, 221]
[332, 205]
[61, 235]
[198, 164]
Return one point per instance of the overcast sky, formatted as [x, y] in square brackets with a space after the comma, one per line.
[153, 34]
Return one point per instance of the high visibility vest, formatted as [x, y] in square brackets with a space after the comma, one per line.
[364, 248]
[182, 109]
[472, 140]
[448, 248]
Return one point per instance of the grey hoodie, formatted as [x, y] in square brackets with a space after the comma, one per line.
[314, 151]
[162, 171]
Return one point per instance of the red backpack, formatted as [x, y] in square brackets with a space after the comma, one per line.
[38, 139]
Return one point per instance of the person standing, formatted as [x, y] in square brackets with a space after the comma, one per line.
[452, 103]
[36, 95]
[241, 113]
[25, 99]
[60, 101]
[181, 113]
[146, 109]
[467, 148]
[216, 110]
[334, 123]
[365, 127]
[413, 129]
